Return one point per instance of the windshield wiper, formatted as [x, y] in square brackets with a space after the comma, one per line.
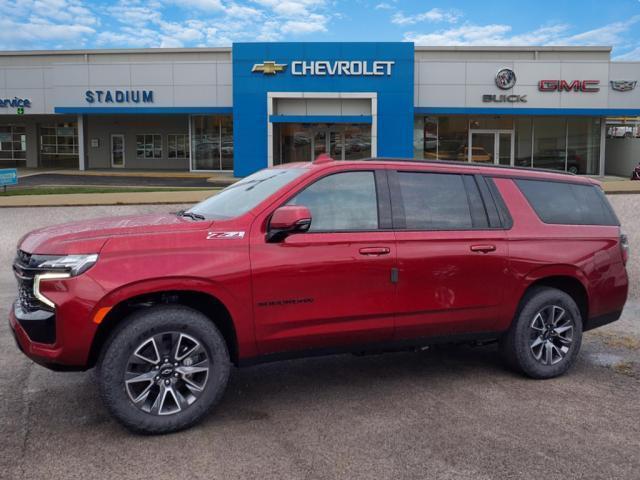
[191, 215]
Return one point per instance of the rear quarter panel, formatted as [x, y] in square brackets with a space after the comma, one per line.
[589, 253]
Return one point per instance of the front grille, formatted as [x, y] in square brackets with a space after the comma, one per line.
[25, 273]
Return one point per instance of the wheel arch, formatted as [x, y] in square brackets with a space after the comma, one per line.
[205, 302]
[567, 282]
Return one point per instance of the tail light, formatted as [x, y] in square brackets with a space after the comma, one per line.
[624, 247]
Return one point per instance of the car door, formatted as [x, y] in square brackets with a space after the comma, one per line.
[452, 253]
[332, 285]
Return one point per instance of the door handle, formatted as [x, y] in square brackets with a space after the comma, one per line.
[375, 251]
[483, 248]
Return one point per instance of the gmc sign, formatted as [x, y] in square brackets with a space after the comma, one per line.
[564, 86]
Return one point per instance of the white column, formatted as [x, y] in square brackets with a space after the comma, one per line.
[81, 142]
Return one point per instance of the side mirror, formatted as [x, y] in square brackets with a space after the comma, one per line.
[287, 220]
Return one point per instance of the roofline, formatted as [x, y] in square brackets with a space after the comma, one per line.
[111, 51]
[510, 48]
[418, 48]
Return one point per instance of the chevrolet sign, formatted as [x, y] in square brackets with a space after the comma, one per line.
[342, 67]
[269, 67]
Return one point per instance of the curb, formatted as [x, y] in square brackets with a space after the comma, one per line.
[95, 199]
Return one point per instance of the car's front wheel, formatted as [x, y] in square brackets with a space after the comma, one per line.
[163, 369]
[546, 334]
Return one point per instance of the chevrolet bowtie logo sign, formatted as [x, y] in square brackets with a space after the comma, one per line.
[269, 67]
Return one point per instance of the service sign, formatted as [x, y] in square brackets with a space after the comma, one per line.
[8, 176]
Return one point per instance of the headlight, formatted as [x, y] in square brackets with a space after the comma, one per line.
[71, 264]
[58, 267]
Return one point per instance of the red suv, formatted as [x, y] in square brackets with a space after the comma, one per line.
[316, 258]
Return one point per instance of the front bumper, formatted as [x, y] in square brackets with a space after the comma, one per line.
[59, 340]
[43, 354]
[39, 325]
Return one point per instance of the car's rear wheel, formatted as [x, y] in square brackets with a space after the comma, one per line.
[163, 369]
[545, 337]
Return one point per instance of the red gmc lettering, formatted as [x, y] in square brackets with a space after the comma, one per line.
[566, 86]
[573, 86]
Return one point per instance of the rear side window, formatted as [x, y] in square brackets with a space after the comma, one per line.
[341, 202]
[568, 203]
[440, 201]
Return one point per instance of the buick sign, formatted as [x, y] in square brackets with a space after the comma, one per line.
[623, 85]
[505, 79]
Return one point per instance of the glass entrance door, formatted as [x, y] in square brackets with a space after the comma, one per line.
[489, 146]
[117, 151]
[303, 142]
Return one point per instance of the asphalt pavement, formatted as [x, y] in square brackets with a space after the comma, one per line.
[444, 413]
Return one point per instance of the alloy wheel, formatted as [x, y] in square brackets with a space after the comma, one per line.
[167, 373]
[551, 335]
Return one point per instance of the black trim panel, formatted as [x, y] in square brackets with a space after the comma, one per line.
[601, 320]
[39, 325]
[505, 216]
[385, 221]
[379, 347]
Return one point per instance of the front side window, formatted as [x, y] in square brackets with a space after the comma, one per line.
[436, 201]
[148, 146]
[341, 202]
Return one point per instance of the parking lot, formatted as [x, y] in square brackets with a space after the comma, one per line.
[444, 413]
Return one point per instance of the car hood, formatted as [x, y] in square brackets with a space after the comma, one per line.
[89, 236]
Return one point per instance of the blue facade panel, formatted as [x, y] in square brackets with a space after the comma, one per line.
[250, 89]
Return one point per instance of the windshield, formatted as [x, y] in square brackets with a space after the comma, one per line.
[242, 196]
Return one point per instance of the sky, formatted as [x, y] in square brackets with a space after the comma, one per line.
[73, 24]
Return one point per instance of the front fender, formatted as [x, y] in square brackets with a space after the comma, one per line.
[239, 310]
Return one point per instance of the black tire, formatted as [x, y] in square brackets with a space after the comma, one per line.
[164, 322]
[517, 345]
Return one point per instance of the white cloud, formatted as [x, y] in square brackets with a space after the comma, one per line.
[501, 34]
[632, 55]
[433, 15]
[384, 6]
[204, 5]
[610, 34]
[315, 23]
[292, 8]
[45, 24]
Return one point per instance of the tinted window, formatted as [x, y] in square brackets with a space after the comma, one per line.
[343, 201]
[439, 201]
[242, 196]
[568, 203]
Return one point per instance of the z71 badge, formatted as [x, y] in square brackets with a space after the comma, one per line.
[224, 235]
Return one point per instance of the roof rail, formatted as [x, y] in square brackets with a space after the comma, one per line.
[466, 164]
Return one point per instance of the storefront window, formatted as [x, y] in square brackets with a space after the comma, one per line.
[302, 142]
[453, 136]
[148, 146]
[522, 155]
[549, 143]
[212, 142]
[13, 146]
[583, 150]
[59, 145]
[491, 122]
[178, 145]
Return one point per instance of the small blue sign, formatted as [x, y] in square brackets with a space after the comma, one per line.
[8, 176]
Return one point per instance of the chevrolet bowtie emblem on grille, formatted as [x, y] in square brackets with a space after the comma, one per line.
[269, 67]
[623, 85]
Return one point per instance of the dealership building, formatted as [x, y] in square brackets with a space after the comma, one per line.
[255, 105]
